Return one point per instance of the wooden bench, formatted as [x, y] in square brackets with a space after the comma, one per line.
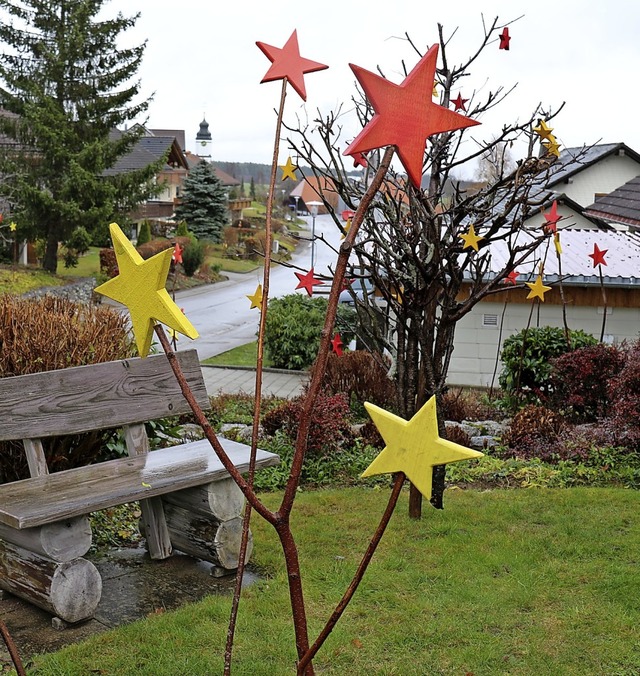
[186, 496]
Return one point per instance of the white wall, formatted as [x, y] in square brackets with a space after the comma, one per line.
[476, 346]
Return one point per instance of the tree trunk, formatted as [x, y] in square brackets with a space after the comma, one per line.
[50, 260]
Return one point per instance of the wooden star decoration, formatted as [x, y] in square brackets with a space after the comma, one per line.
[288, 170]
[12, 226]
[359, 160]
[256, 298]
[538, 289]
[286, 63]
[552, 147]
[470, 238]
[556, 241]
[505, 39]
[414, 446]
[405, 116]
[543, 131]
[459, 103]
[336, 344]
[511, 278]
[140, 286]
[552, 218]
[307, 281]
[177, 253]
[598, 255]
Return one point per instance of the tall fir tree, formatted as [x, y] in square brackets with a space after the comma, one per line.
[204, 203]
[65, 89]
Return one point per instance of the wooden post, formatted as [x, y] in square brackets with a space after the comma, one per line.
[61, 541]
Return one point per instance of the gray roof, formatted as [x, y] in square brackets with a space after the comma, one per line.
[621, 206]
[574, 160]
[178, 134]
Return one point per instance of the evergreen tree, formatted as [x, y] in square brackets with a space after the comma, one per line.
[252, 190]
[204, 203]
[67, 88]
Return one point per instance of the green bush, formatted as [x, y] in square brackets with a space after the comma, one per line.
[294, 324]
[192, 257]
[182, 230]
[144, 233]
[79, 241]
[526, 358]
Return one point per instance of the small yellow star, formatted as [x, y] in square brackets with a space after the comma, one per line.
[12, 226]
[414, 446]
[543, 131]
[347, 227]
[538, 289]
[288, 170]
[556, 241]
[434, 93]
[141, 287]
[256, 299]
[552, 146]
[470, 239]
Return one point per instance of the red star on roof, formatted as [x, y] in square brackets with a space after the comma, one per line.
[505, 38]
[307, 281]
[459, 103]
[336, 345]
[511, 278]
[405, 116]
[598, 256]
[552, 218]
[287, 63]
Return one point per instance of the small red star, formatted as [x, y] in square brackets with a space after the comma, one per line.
[504, 39]
[359, 160]
[177, 253]
[336, 345]
[459, 103]
[347, 214]
[287, 63]
[598, 256]
[405, 116]
[552, 218]
[307, 281]
[511, 277]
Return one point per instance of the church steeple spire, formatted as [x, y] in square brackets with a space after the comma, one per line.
[203, 139]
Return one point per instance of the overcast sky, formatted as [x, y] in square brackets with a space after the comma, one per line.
[201, 58]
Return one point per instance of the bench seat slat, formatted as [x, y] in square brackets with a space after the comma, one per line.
[58, 496]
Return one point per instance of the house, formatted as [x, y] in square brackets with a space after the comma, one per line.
[315, 189]
[622, 206]
[577, 180]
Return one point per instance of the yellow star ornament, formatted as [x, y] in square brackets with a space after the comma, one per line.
[538, 289]
[256, 299]
[414, 446]
[543, 130]
[470, 239]
[288, 170]
[140, 286]
[12, 226]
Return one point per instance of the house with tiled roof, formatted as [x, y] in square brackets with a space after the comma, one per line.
[621, 206]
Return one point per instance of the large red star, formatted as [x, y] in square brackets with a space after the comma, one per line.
[287, 63]
[511, 278]
[598, 256]
[551, 219]
[505, 39]
[405, 116]
[307, 281]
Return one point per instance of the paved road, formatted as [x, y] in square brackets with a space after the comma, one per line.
[221, 312]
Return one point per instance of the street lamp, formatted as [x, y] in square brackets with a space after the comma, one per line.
[313, 208]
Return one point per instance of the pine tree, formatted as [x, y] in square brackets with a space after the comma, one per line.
[204, 203]
[252, 190]
[67, 88]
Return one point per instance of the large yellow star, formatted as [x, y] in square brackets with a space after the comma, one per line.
[140, 286]
[288, 170]
[470, 239]
[538, 289]
[543, 131]
[414, 447]
[256, 298]
[552, 146]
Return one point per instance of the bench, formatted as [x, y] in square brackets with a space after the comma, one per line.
[187, 499]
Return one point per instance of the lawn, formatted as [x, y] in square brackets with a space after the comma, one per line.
[21, 280]
[88, 265]
[500, 582]
[244, 355]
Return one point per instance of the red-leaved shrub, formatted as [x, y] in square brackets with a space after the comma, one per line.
[624, 394]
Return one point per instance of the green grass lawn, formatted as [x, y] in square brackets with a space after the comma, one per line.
[88, 265]
[517, 582]
[245, 355]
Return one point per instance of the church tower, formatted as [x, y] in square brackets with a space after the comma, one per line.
[203, 141]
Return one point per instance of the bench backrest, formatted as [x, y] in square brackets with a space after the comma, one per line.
[97, 396]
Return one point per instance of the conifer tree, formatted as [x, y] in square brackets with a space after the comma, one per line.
[65, 89]
[204, 203]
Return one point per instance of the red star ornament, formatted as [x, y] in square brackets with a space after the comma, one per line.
[336, 345]
[286, 63]
[505, 39]
[511, 278]
[551, 219]
[405, 116]
[598, 256]
[459, 103]
[177, 253]
[359, 160]
[307, 281]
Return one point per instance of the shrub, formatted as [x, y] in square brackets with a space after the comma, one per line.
[108, 263]
[54, 333]
[458, 435]
[579, 381]
[192, 257]
[330, 425]
[79, 241]
[624, 394]
[527, 355]
[144, 233]
[182, 230]
[294, 325]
